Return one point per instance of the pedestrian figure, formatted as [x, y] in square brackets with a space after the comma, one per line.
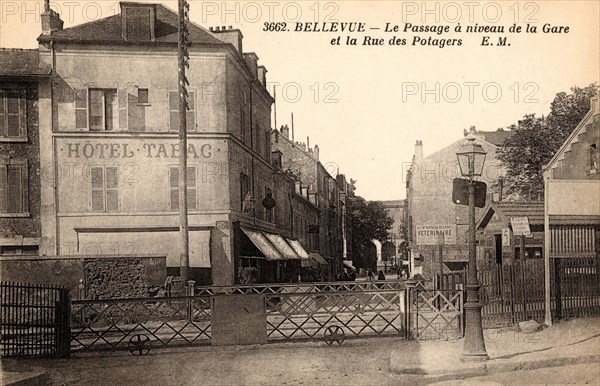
[352, 275]
[370, 275]
[380, 276]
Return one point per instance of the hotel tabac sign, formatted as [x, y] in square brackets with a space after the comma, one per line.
[432, 234]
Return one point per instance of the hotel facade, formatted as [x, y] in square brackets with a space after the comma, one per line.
[109, 148]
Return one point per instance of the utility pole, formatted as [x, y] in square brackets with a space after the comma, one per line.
[183, 60]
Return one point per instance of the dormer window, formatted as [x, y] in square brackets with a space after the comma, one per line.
[138, 22]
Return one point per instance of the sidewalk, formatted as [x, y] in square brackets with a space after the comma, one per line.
[565, 343]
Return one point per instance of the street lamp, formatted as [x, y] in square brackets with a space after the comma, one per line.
[470, 160]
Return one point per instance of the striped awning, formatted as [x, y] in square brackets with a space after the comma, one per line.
[299, 249]
[318, 258]
[263, 245]
[282, 246]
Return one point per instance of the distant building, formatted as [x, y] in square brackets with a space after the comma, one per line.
[392, 250]
[432, 217]
[326, 192]
[496, 138]
[20, 168]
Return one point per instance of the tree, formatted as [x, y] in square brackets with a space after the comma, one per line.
[367, 220]
[537, 139]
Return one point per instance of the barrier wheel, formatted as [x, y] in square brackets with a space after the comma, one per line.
[334, 334]
[139, 344]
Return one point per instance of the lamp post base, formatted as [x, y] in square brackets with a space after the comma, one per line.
[474, 348]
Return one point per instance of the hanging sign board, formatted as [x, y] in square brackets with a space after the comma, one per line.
[520, 226]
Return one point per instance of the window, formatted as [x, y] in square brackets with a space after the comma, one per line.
[103, 109]
[174, 187]
[594, 158]
[13, 188]
[13, 123]
[244, 192]
[105, 188]
[143, 96]
[174, 111]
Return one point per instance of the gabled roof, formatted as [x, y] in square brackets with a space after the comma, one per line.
[21, 63]
[497, 137]
[573, 137]
[533, 210]
[109, 30]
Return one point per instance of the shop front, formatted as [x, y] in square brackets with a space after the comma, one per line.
[266, 257]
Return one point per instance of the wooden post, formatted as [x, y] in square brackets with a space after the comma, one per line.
[184, 242]
[522, 264]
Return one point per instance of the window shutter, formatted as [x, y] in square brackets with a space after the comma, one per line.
[191, 187]
[97, 188]
[81, 108]
[25, 187]
[173, 111]
[15, 192]
[3, 188]
[2, 127]
[174, 187]
[191, 114]
[112, 189]
[123, 105]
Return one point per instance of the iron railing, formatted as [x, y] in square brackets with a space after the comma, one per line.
[34, 321]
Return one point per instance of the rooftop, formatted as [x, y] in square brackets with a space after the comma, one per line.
[109, 30]
[21, 63]
[533, 210]
[496, 138]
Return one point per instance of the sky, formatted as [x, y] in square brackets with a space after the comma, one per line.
[365, 105]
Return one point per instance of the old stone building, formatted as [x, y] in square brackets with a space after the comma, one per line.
[20, 168]
[432, 217]
[326, 192]
[108, 129]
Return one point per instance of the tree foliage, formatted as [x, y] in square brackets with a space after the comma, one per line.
[537, 139]
[367, 220]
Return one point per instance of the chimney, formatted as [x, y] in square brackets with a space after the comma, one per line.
[316, 152]
[419, 151]
[51, 21]
[308, 143]
[252, 61]
[285, 131]
[262, 75]
[232, 36]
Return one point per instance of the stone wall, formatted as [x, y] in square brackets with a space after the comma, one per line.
[115, 278]
[103, 277]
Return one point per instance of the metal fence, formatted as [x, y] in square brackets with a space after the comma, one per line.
[138, 325]
[35, 320]
[355, 311]
[293, 311]
[436, 314]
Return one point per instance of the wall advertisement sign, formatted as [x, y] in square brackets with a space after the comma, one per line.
[431, 234]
